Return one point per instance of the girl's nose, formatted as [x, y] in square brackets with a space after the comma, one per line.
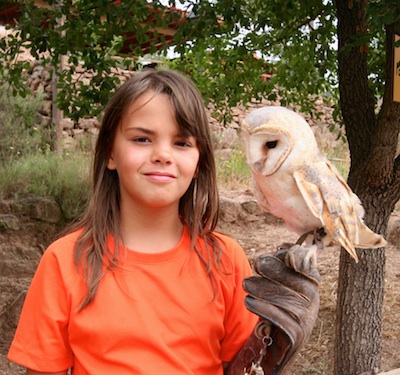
[162, 154]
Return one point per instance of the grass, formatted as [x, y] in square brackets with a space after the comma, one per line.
[65, 179]
[28, 167]
[233, 172]
[21, 129]
[340, 158]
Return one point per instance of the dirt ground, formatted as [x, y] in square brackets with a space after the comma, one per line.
[22, 250]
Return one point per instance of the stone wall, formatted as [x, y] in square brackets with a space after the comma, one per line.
[40, 79]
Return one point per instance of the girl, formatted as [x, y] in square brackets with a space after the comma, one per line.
[142, 284]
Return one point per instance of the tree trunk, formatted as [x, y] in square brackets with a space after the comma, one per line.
[56, 117]
[374, 176]
[57, 113]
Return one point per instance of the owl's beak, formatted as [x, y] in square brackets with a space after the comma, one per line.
[258, 166]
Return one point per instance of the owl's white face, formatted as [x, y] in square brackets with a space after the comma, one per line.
[274, 134]
[267, 150]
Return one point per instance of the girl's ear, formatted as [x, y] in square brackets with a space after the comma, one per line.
[110, 163]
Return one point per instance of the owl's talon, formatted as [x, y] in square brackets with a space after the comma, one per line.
[303, 260]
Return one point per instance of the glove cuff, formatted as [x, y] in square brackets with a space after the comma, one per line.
[271, 351]
[286, 302]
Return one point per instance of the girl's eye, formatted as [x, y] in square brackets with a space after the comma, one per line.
[186, 142]
[141, 140]
[183, 144]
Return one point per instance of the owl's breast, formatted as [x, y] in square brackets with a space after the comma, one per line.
[279, 194]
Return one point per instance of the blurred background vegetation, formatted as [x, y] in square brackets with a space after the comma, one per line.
[28, 167]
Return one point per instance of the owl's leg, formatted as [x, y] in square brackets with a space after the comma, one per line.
[312, 237]
[319, 235]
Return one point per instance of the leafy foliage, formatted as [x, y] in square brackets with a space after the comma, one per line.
[89, 34]
[232, 46]
[225, 47]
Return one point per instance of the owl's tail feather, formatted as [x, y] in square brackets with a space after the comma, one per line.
[348, 246]
[367, 239]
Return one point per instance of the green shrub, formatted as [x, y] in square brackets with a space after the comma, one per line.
[22, 131]
[232, 170]
[65, 179]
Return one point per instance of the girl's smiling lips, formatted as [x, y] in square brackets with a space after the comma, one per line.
[160, 176]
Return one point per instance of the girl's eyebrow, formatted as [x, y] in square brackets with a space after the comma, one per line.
[144, 130]
[152, 132]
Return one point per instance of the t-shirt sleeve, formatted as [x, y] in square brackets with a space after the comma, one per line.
[239, 322]
[41, 339]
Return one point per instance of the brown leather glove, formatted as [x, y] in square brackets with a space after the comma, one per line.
[287, 303]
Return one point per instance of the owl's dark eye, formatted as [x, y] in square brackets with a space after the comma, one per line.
[271, 144]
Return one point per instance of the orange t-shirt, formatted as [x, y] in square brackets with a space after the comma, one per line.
[156, 313]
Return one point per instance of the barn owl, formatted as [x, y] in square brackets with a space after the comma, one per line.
[295, 182]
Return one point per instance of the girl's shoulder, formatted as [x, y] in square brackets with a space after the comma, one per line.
[64, 246]
[57, 263]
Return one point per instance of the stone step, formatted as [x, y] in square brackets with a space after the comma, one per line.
[391, 372]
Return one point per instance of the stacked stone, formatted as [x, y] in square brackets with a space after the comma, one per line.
[84, 132]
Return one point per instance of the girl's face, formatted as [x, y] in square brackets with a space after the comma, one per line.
[155, 164]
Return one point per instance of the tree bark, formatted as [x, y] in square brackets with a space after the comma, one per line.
[57, 113]
[374, 176]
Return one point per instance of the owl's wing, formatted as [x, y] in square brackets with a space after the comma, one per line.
[363, 237]
[332, 201]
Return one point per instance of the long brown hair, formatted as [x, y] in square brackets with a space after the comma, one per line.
[198, 207]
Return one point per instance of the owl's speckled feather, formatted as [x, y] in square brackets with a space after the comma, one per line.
[296, 183]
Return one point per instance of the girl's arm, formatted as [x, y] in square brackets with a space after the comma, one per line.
[32, 372]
